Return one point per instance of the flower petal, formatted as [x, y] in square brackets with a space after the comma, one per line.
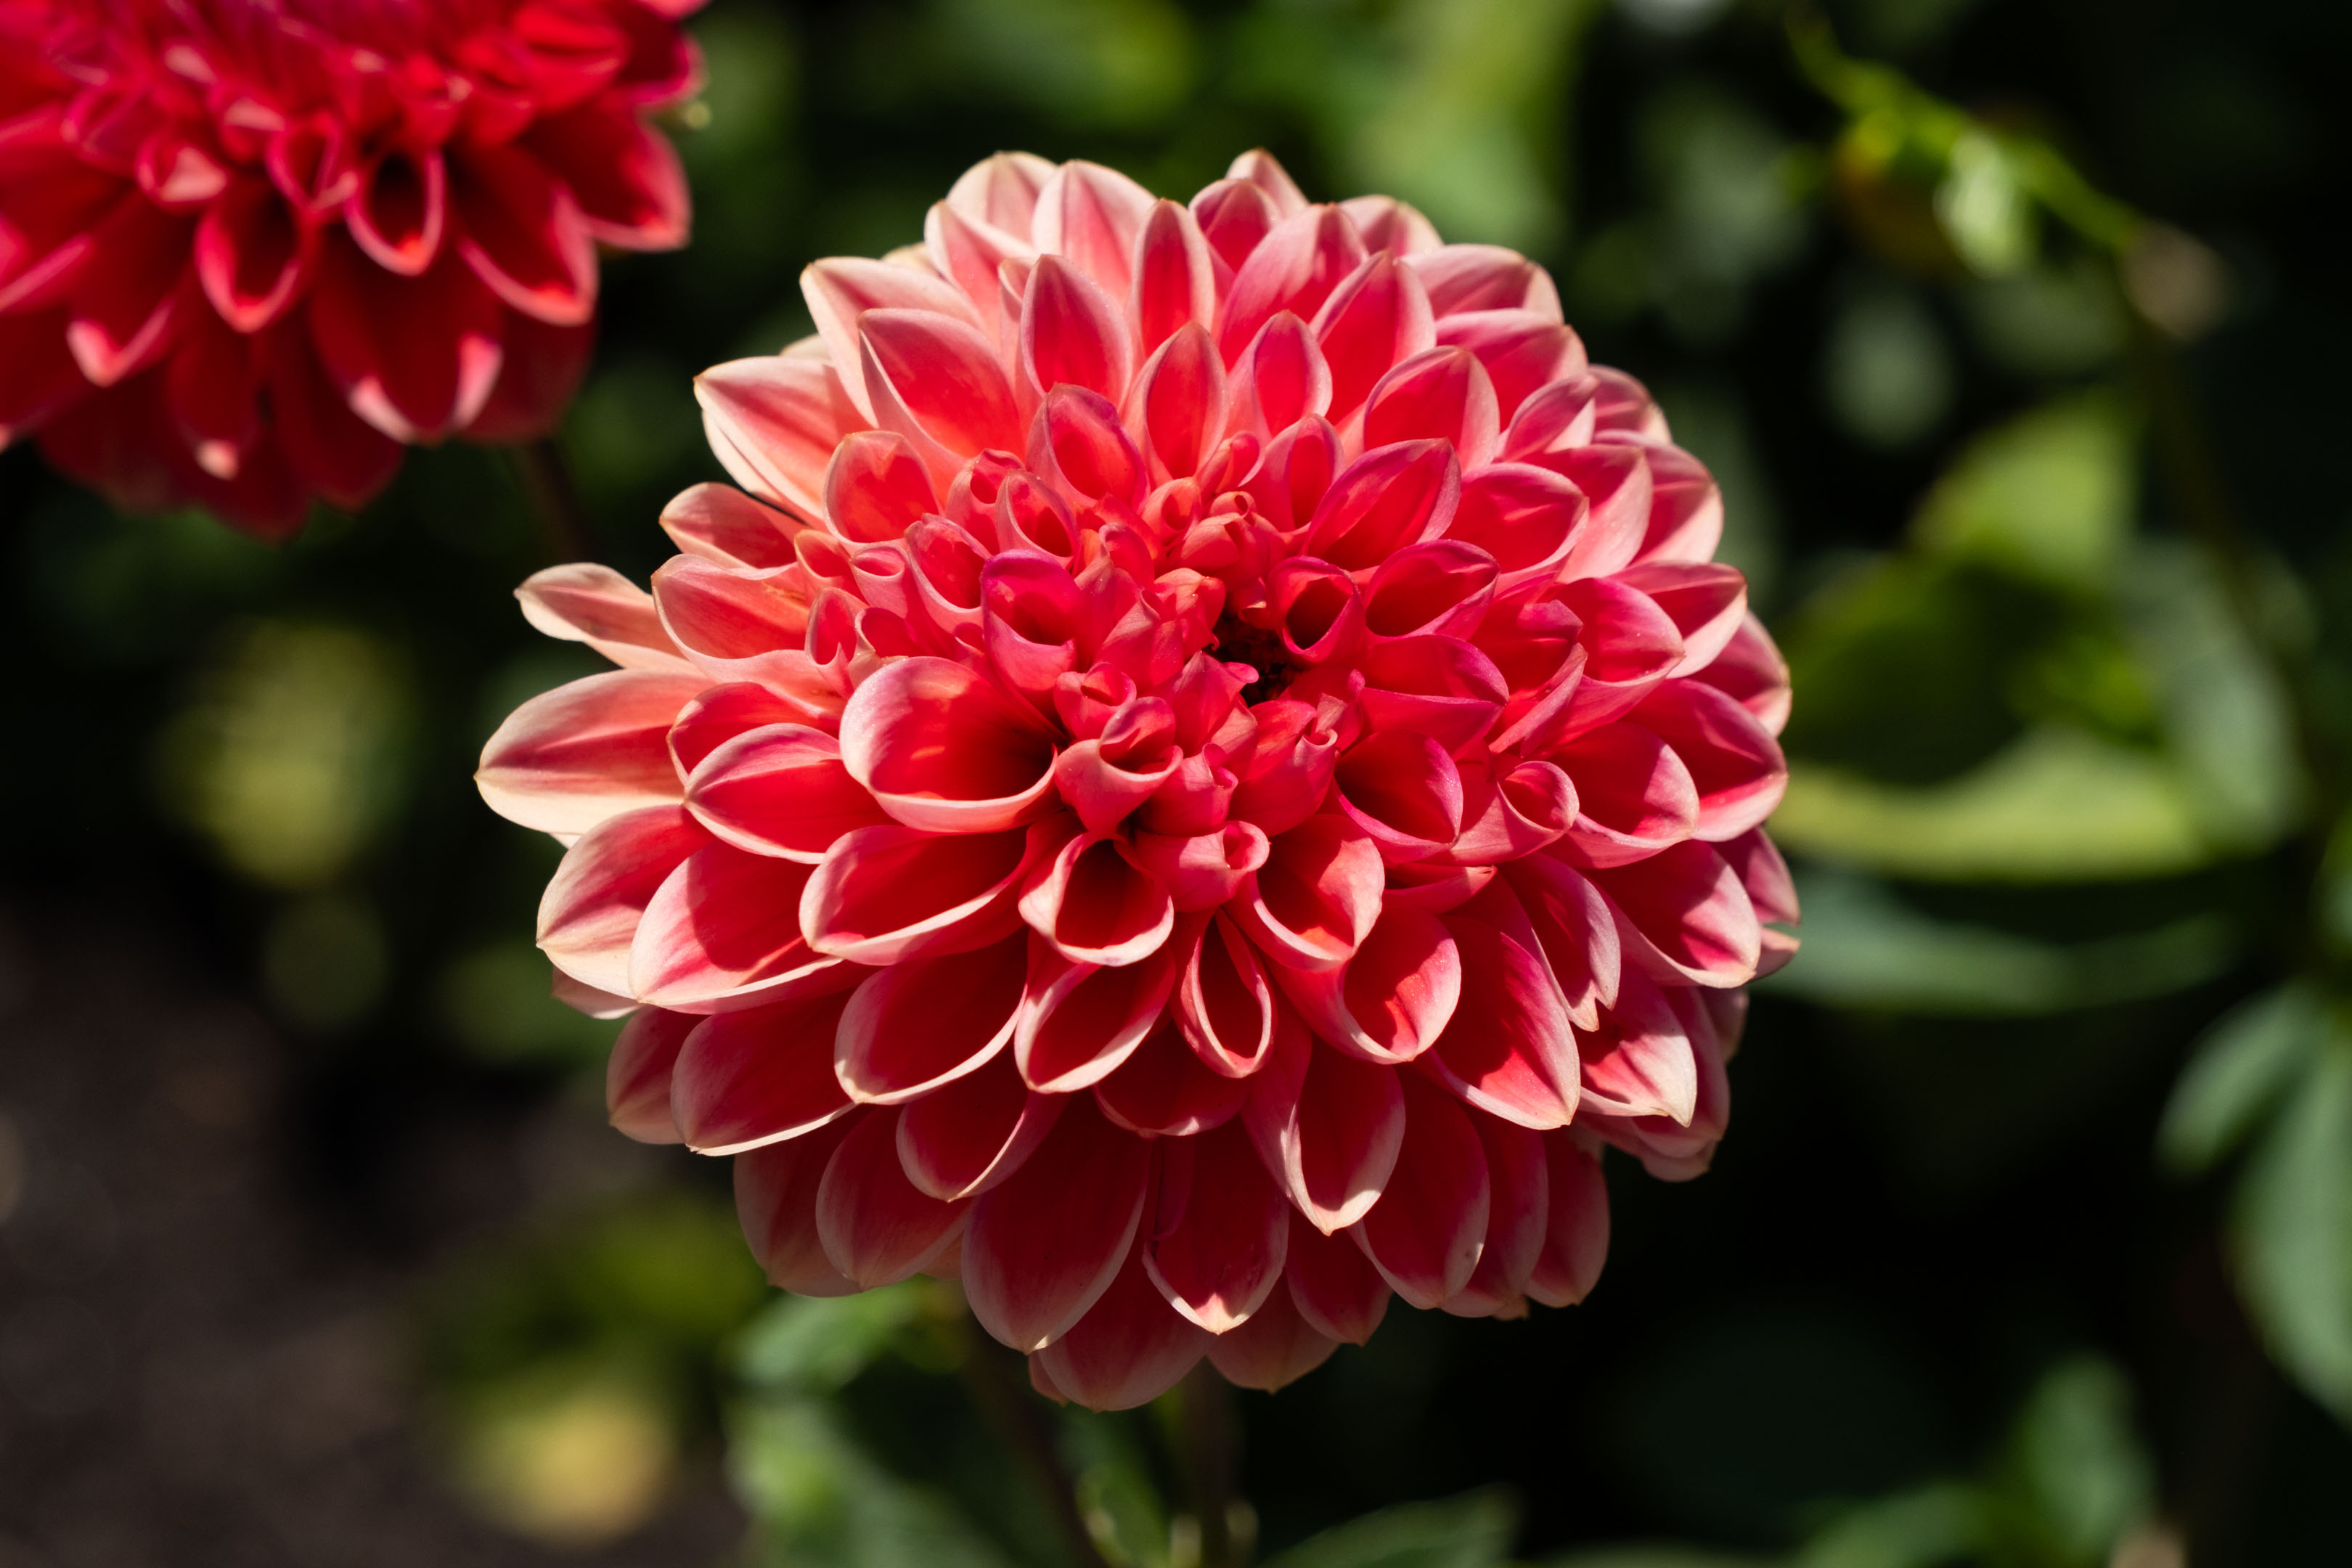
[568, 759]
[775, 1198]
[1223, 1257]
[876, 1227]
[972, 1132]
[1427, 1232]
[926, 1022]
[749, 1078]
[1045, 1244]
[589, 916]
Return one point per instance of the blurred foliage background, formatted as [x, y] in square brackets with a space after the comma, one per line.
[2013, 332]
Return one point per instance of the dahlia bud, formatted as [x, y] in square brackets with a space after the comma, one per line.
[248, 251]
[1207, 775]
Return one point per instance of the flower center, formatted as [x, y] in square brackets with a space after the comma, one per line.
[1262, 650]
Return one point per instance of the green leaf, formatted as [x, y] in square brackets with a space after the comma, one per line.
[2049, 496]
[818, 1500]
[2058, 805]
[1867, 948]
[1472, 1531]
[1645, 1555]
[2242, 1066]
[2078, 1473]
[1920, 1529]
[2293, 1231]
[819, 1343]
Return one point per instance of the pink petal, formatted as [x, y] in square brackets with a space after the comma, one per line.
[779, 790]
[1426, 1233]
[1129, 1350]
[637, 1074]
[1514, 816]
[1077, 440]
[1685, 916]
[1735, 764]
[590, 913]
[774, 422]
[1175, 279]
[1509, 1050]
[1377, 317]
[1576, 1226]
[1764, 874]
[875, 1227]
[1391, 497]
[1276, 1347]
[1528, 518]
[1633, 795]
[1163, 1090]
[1205, 871]
[1685, 522]
[1388, 224]
[1295, 473]
[972, 1132]
[1045, 1244]
[1091, 216]
[1394, 997]
[725, 929]
[1314, 901]
[1442, 686]
[1443, 394]
[775, 1197]
[568, 759]
[1441, 588]
[1485, 278]
[744, 1079]
[1308, 254]
[1260, 168]
[937, 381]
[1404, 791]
[1001, 191]
[1577, 931]
[1523, 351]
[1752, 672]
[1706, 600]
[719, 715]
[597, 605]
[840, 289]
[921, 1024]
[1630, 646]
[1280, 378]
[1081, 1021]
[885, 894]
[1178, 403]
[1225, 1003]
[1331, 1125]
[1641, 1062]
[1072, 333]
[942, 750]
[1095, 906]
[876, 487]
[1235, 215]
[1223, 1257]
[969, 252]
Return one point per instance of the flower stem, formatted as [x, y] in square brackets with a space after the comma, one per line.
[1207, 1417]
[563, 525]
[1020, 1422]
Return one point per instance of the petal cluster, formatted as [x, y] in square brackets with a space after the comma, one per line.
[1204, 772]
[251, 248]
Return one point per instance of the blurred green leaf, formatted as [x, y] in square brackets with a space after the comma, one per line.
[2243, 1066]
[1472, 1531]
[1865, 948]
[1654, 1556]
[818, 1500]
[2076, 1472]
[1935, 1525]
[1105, 62]
[816, 1344]
[2058, 805]
[2049, 497]
[2294, 1230]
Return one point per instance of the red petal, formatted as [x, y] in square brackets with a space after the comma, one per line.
[840, 289]
[541, 370]
[1509, 1050]
[569, 758]
[775, 1198]
[1523, 351]
[337, 453]
[1336, 1290]
[1735, 764]
[625, 176]
[1330, 1124]
[1394, 998]
[1224, 1258]
[1685, 916]
[1235, 215]
[779, 790]
[1129, 1350]
[1633, 795]
[1576, 1225]
[1485, 278]
[1427, 1231]
[1518, 1212]
[1079, 1021]
[921, 1024]
[1375, 319]
[1045, 1245]
[1092, 214]
[1576, 930]
[942, 750]
[596, 605]
[1642, 1062]
[774, 422]
[1175, 278]
[725, 929]
[1095, 906]
[744, 1079]
[1280, 378]
[1179, 402]
[875, 1227]
[1072, 332]
[590, 913]
[885, 894]
[637, 1074]
[1294, 269]
[42, 376]
[1751, 670]
[253, 253]
[1443, 394]
[1388, 497]
[1278, 1346]
[127, 304]
[522, 234]
[1526, 518]
[416, 357]
[402, 207]
[1225, 1003]
[1163, 1089]
[972, 1132]
[1316, 898]
[937, 381]
[1686, 521]
[876, 487]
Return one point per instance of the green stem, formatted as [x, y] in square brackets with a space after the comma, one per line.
[1207, 1417]
[1020, 1423]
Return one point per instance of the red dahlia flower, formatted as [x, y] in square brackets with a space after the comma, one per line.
[1210, 772]
[249, 248]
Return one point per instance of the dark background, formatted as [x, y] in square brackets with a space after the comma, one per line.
[313, 1244]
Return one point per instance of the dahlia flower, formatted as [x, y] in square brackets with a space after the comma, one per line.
[250, 248]
[1202, 774]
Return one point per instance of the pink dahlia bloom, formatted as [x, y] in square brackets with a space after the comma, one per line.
[1205, 772]
[250, 248]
